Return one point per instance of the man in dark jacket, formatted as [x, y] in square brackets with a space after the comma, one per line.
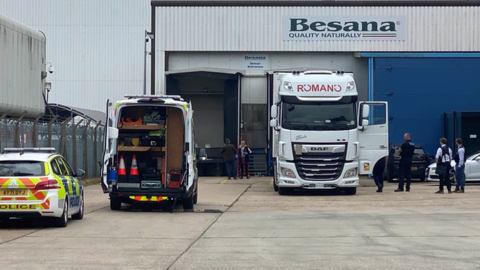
[229, 151]
[405, 169]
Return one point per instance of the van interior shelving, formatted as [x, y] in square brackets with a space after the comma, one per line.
[147, 140]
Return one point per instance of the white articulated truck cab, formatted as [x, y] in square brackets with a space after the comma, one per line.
[149, 151]
[323, 137]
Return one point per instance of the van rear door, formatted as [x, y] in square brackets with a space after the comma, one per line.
[109, 145]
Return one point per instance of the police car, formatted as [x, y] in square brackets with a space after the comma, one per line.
[38, 182]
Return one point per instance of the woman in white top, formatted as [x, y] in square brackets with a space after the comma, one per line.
[443, 158]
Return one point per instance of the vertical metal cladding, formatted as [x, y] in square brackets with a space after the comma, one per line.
[95, 46]
[22, 61]
[429, 29]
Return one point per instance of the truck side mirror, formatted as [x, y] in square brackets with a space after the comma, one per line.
[273, 123]
[112, 133]
[365, 111]
[274, 111]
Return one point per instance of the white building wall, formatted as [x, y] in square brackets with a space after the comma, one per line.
[429, 29]
[260, 29]
[96, 47]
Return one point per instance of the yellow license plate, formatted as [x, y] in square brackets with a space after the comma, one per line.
[14, 192]
[414, 168]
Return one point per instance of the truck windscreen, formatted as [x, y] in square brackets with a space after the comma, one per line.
[319, 116]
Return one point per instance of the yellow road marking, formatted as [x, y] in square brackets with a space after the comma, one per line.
[223, 182]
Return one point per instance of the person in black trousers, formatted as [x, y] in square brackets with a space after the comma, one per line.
[229, 153]
[405, 169]
[244, 156]
[378, 173]
[443, 158]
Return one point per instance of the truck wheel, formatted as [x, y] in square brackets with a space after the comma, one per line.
[195, 197]
[350, 191]
[275, 187]
[188, 203]
[284, 190]
[63, 220]
[115, 204]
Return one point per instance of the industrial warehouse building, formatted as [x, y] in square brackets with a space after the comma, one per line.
[420, 56]
[422, 59]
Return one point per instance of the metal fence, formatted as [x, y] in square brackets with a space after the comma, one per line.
[80, 142]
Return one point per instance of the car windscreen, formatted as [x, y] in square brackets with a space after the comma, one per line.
[22, 168]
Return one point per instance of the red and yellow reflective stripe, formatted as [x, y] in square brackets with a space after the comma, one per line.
[151, 199]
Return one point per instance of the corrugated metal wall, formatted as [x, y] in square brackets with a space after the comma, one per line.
[22, 60]
[96, 47]
[416, 104]
[260, 29]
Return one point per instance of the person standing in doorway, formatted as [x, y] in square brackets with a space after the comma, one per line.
[405, 167]
[460, 167]
[378, 173]
[443, 159]
[244, 155]
[229, 152]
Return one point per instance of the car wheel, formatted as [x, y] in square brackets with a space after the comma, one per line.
[350, 191]
[115, 204]
[81, 211]
[63, 220]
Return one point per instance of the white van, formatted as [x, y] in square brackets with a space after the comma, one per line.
[149, 151]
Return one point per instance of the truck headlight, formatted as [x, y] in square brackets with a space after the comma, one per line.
[350, 173]
[350, 86]
[288, 173]
[288, 86]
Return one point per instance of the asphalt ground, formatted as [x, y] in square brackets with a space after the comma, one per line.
[244, 224]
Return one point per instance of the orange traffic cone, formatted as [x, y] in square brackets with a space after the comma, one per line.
[121, 168]
[134, 169]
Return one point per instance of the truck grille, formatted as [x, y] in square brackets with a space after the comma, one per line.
[320, 167]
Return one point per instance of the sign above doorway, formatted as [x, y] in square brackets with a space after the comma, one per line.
[256, 62]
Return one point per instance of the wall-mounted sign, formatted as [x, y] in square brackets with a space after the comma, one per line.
[255, 62]
[355, 28]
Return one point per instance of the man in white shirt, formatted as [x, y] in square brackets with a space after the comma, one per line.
[443, 158]
[460, 167]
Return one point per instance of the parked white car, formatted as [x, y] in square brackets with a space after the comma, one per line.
[472, 169]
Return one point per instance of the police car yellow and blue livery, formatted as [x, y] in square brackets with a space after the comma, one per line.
[38, 182]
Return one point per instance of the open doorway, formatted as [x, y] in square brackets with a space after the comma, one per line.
[215, 99]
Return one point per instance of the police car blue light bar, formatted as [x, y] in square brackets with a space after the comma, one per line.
[30, 150]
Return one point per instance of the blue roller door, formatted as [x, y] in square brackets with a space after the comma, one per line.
[420, 90]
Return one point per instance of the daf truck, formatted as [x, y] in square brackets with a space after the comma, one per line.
[323, 137]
